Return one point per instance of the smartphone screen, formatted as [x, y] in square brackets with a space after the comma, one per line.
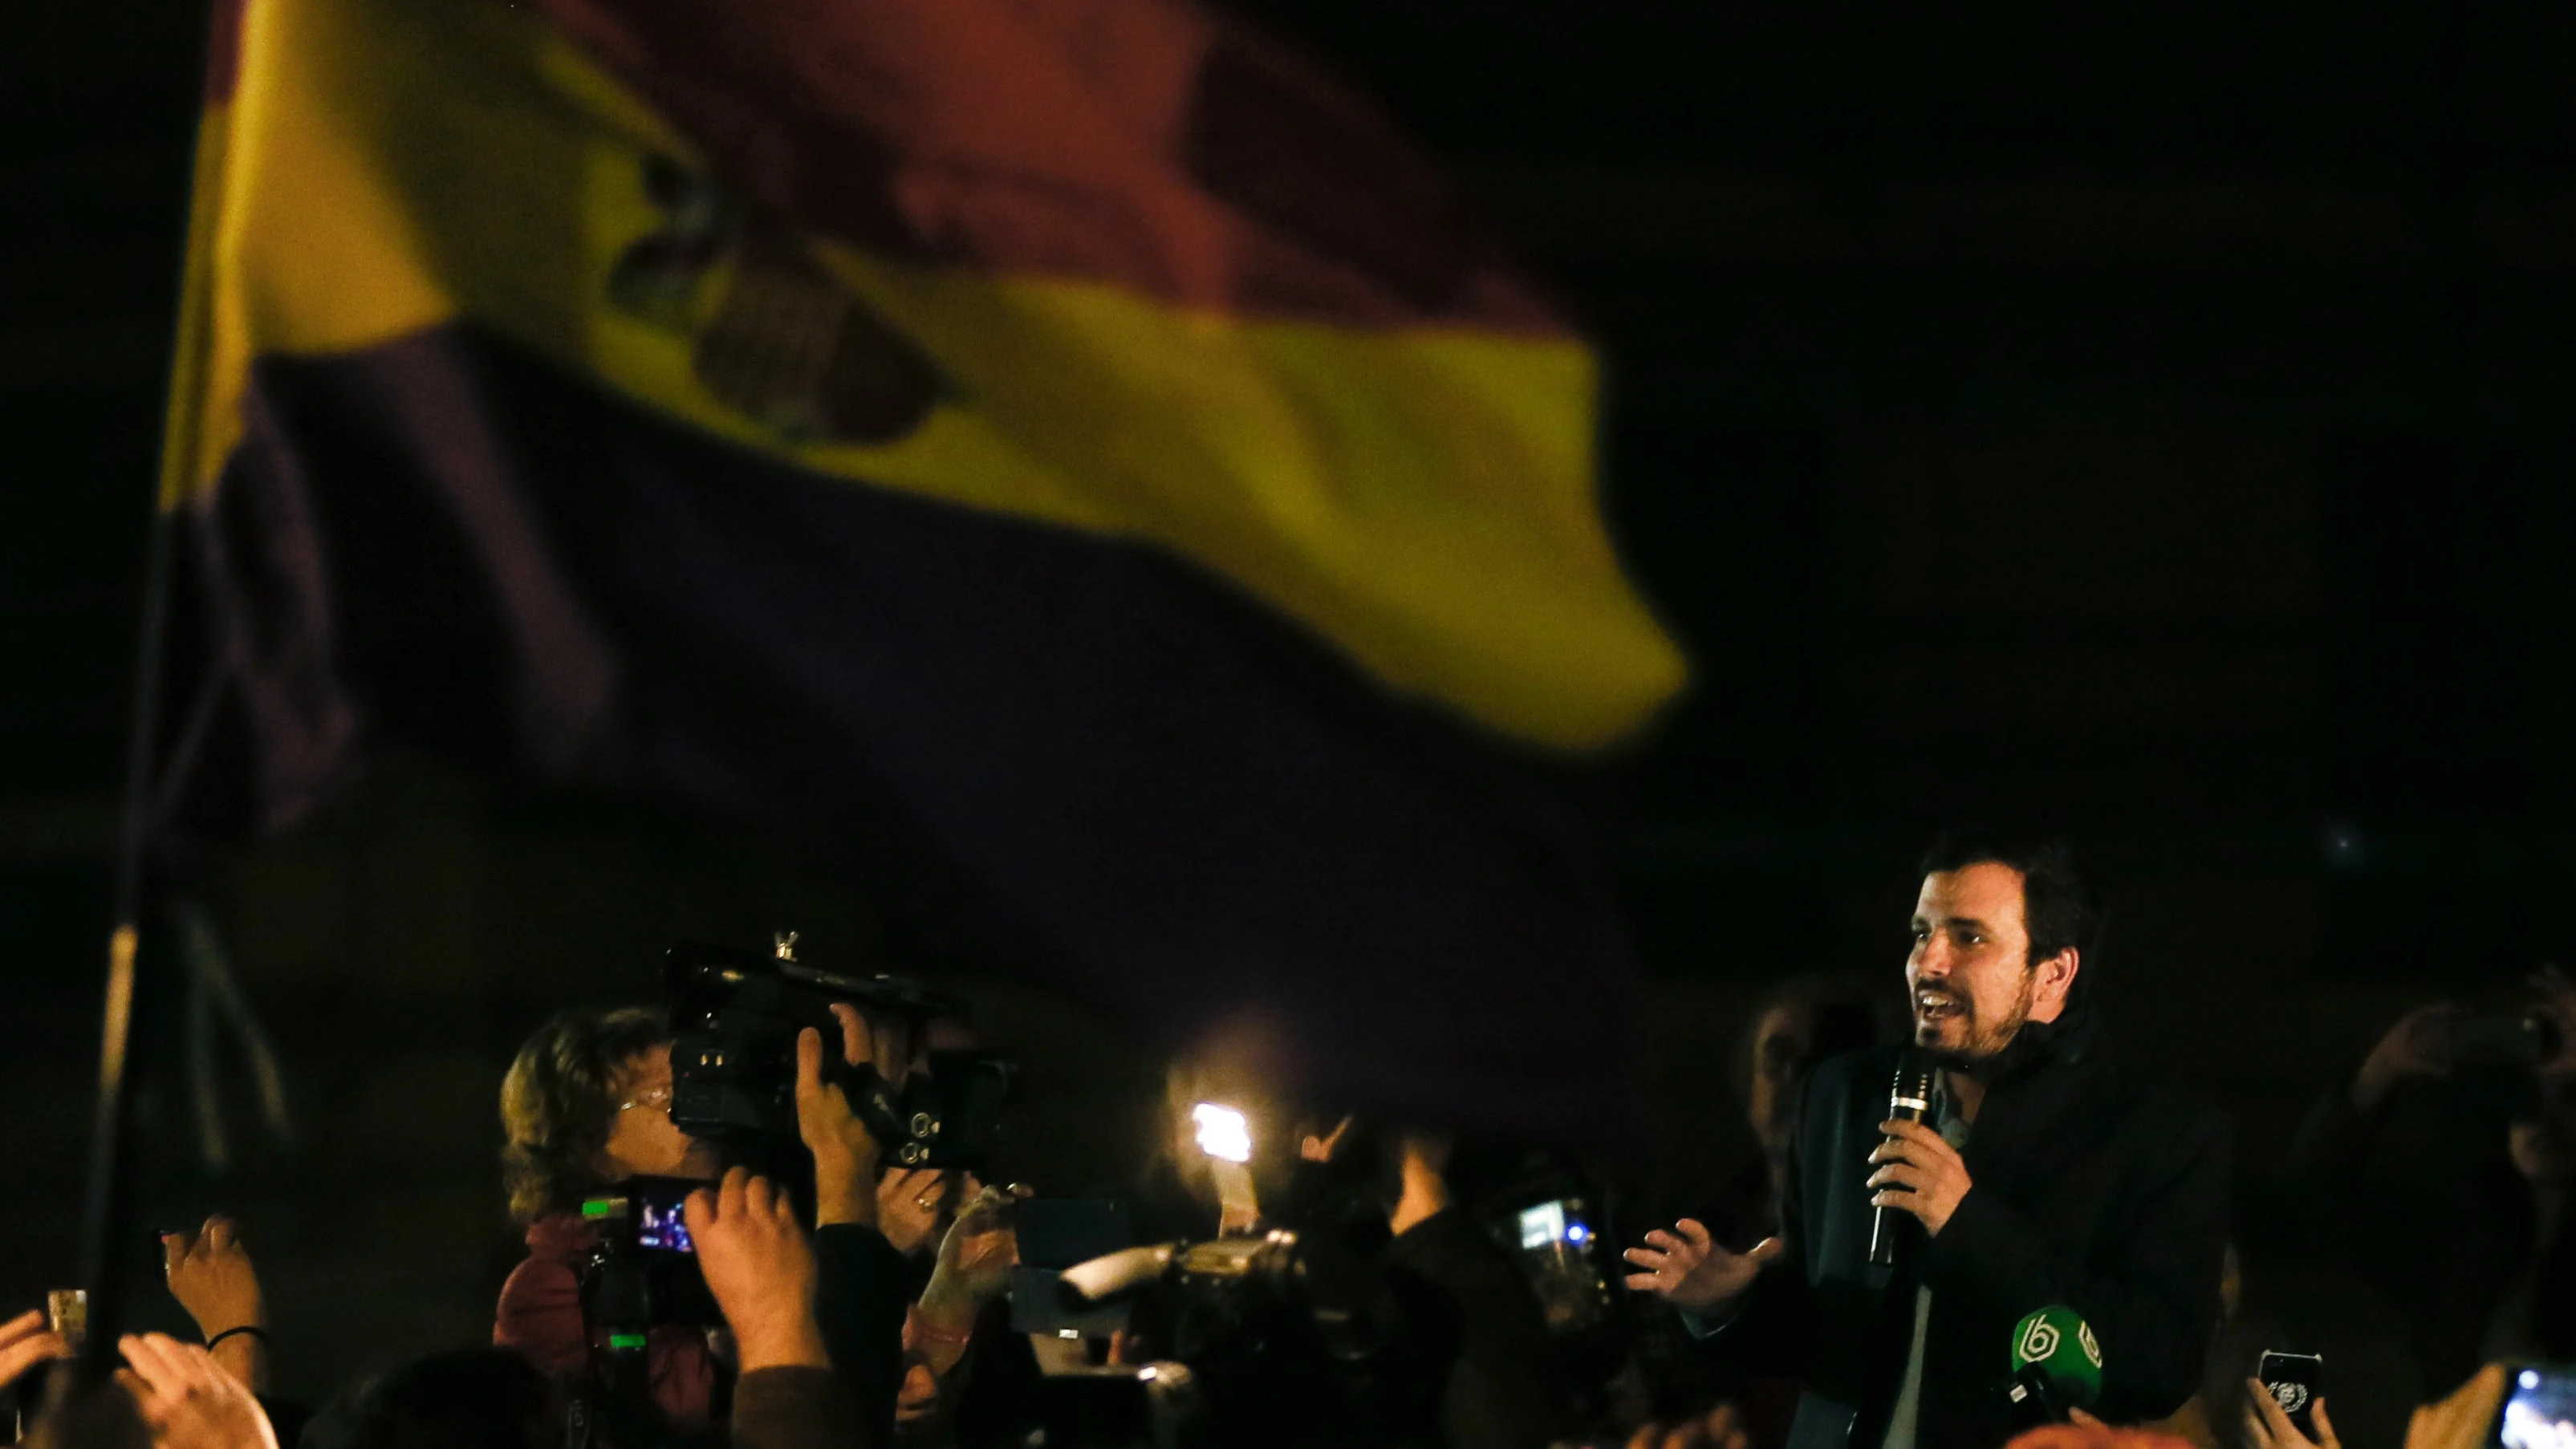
[2294, 1381]
[2539, 1410]
[1557, 1257]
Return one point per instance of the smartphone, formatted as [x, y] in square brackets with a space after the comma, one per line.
[2503, 1041]
[1040, 1303]
[1056, 1233]
[67, 1313]
[2294, 1380]
[1560, 1255]
[2539, 1410]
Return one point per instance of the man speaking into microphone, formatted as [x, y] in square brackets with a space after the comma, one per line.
[2043, 1171]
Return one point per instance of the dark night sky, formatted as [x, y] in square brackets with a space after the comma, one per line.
[2150, 416]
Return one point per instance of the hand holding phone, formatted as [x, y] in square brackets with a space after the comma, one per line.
[2294, 1382]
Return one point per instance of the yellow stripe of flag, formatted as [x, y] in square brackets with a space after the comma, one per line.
[1422, 497]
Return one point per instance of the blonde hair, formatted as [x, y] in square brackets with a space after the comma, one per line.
[559, 1102]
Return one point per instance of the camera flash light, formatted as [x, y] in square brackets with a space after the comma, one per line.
[1223, 1133]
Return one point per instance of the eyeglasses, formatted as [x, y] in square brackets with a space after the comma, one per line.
[659, 1099]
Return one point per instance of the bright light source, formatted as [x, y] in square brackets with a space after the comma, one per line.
[1542, 1225]
[1068, 1333]
[1223, 1134]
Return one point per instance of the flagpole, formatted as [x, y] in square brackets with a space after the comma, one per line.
[108, 1217]
[108, 1230]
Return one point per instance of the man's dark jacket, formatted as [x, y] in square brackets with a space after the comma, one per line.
[2094, 1186]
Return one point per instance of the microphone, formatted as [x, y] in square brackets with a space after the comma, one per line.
[2056, 1367]
[1116, 1273]
[1909, 1099]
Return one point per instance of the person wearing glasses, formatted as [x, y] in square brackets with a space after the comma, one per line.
[587, 1104]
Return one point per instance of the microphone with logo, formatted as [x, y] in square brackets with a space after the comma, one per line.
[2056, 1367]
[1909, 1099]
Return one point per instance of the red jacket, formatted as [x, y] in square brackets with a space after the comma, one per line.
[539, 1315]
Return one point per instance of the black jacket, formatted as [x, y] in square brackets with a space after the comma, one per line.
[2094, 1187]
[1499, 1388]
[861, 1295]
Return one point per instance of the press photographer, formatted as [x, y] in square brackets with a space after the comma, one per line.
[611, 1115]
[2041, 1170]
[1481, 1336]
[586, 1105]
[2456, 1136]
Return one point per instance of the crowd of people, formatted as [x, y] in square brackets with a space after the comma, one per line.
[1940, 1166]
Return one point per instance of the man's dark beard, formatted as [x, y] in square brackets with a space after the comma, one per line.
[1983, 1046]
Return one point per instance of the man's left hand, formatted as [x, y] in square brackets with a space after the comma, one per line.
[1920, 1174]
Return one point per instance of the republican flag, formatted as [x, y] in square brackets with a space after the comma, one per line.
[1067, 447]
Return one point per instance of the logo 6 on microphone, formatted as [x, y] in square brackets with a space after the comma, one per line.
[2039, 1341]
[2056, 1344]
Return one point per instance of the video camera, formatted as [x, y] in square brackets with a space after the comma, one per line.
[641, 1274]
[1281, 1334]
[735, 1016]
[643, 1271]
[1271, 1339]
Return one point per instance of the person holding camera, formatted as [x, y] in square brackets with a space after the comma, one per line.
[2456, 1137]
[2026, 1167]
[586, 1105]
[865, 1281]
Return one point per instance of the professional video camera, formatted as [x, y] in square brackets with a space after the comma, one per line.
[735, 1016]
[1282, 1335]
[1271, 1339]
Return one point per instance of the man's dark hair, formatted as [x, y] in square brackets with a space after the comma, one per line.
[2058, 906]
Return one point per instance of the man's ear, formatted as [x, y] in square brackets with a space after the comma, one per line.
[2057, 977]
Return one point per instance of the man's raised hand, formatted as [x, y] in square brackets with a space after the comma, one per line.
[1687, 1269]
[975, 1262]
[187, 1401]
[845, 1155]
[760, 1269]
[2422, 1044]
[25, 1342]
[211, 1275]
